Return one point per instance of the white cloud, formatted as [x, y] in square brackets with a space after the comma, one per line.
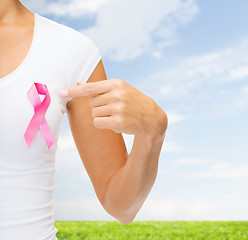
[174, 209]
[239, 73]
[196, 209]
[174, 117]
[222, 165]
[231, 208]
[125, 30]
[203, 73]
[171, 146]
[189, 161]
[227, 171]
[74, 8]
[204, 85]
[71, 8]
[157, 54]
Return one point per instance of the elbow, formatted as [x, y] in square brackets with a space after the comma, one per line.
[125, 220]
[123, 211]
[124, 216]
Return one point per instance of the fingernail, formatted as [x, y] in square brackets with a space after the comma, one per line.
[80, 83]
[63, 93]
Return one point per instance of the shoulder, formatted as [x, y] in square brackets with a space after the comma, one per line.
[66, 34]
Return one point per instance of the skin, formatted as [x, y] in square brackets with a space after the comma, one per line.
[100, 110]
[122, 182]
[16, 31]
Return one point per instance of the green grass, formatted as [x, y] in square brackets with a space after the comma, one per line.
[151, 230]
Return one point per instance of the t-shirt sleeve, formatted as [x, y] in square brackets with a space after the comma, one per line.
[87, 56]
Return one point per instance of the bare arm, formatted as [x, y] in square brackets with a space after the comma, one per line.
[121, 181]
[131, 184]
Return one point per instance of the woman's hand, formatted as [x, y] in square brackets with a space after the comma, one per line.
[119, 106]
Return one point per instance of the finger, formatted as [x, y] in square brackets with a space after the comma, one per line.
[102, 99]
[102, 111]
[105, 122]
[86, 89]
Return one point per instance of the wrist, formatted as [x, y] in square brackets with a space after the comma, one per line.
[155, 128]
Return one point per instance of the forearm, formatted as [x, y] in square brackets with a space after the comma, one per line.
[128, 188]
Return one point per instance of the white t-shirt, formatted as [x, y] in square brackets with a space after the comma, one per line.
[58, 57]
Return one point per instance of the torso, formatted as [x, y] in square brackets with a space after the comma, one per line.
[59, 57]
[15, 42]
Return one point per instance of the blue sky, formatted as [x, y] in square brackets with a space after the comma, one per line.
[191, 57]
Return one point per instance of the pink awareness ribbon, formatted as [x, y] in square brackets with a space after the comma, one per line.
[38, 120]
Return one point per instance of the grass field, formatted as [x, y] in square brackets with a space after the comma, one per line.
[142, 230]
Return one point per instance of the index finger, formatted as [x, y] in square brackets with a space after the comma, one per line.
[86, 89]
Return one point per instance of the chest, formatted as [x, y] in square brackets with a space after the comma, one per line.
[15, 42]
[18, 113]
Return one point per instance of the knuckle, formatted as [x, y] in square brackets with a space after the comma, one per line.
[122, 95]
[119, 95]
[116, 95]
[120, 120]
[120, 83]
[121, 107]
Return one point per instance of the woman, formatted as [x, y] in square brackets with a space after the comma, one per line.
[40, 56]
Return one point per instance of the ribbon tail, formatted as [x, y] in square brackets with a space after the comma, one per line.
[46, 132]
[30, 132]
